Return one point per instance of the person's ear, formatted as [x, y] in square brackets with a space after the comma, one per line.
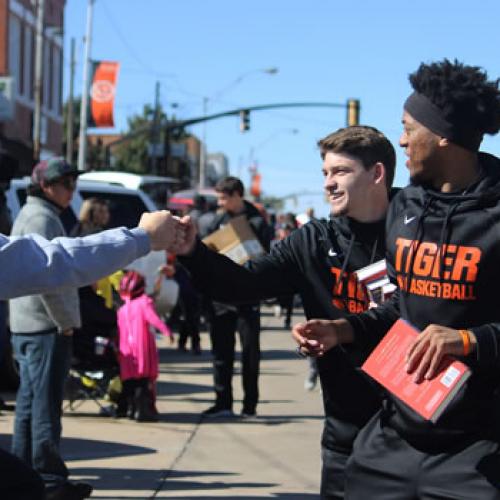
[379, 173]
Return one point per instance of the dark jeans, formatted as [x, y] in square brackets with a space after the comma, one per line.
[3, 329]
[19, 481]
[222, 334]
[43, 363]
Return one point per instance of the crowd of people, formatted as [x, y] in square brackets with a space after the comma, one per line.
[440, 232]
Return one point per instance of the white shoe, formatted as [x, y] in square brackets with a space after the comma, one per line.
[310, 383]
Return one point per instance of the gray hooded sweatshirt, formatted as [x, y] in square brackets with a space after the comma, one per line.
[59, 310]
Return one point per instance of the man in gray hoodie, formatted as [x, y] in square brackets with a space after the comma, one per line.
[42, 327]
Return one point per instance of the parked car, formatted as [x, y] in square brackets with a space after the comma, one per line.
[156, 187]
[183, 200]
[126, 207]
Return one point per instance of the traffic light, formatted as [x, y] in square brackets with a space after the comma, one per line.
[244, 120]
[352, 112]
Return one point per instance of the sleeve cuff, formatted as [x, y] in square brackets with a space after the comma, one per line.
[487, 344]
[142, 240]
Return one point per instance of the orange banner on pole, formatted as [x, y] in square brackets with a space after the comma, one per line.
[102, 93]
[255, 188]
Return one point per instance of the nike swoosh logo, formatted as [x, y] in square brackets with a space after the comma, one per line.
[407, 219]
[332, 252]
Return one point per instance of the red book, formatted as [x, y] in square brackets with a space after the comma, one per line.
[387, 365]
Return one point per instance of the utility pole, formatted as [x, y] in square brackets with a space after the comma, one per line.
[82, 149]
[37, 115]
[203, 155]
[154, 131]
[70, 109]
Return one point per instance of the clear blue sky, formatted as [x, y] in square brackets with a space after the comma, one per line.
[325, 51]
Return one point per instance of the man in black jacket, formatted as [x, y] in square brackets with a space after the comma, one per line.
[318, 262]
[443, 245]
[226, 319]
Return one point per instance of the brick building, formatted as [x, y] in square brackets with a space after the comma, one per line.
[17, 62]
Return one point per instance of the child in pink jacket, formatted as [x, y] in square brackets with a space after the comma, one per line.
[138, 352]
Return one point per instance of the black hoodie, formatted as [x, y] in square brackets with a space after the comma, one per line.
[317, 261]
[458, 291]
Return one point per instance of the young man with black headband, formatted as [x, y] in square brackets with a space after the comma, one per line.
[443, 246]
[318, 262]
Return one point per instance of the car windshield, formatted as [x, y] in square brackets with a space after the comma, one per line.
[124, 209]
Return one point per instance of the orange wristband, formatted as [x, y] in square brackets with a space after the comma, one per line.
[466, 341]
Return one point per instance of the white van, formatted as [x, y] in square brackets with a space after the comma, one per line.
[158, 188]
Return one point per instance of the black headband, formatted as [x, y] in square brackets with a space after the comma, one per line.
[432, 117]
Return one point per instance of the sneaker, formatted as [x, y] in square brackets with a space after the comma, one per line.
[247, 413]
[310, 383]
[217, 412]
[69, 491]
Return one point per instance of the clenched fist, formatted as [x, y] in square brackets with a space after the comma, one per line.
[165, 231]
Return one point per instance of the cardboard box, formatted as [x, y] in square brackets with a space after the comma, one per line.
[236, 240]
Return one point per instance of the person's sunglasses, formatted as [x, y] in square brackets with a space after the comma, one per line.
[68, 183]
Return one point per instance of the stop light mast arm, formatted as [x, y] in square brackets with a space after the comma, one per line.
[352, 106]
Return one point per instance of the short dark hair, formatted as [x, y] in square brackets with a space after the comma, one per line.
[230, 185]
[367, 144]
[463, 93]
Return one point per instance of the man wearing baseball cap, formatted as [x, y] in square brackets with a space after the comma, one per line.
[42, 328]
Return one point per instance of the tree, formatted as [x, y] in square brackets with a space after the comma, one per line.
[132, 155]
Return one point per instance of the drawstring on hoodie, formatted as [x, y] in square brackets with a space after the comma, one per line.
[346, 259]
[417, 237]
[348, 255]
[443, 237]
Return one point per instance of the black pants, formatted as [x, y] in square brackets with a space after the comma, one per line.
[385, 467]
[19, 480]
[222, 334]
[332, 474]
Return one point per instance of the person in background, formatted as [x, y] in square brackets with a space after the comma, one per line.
[187, 311]
[199, 208]
[94, 217]
[42, 328]
[206, 220]
[138, 354]
[226, 319]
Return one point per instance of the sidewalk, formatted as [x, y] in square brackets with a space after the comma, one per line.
[276, 455]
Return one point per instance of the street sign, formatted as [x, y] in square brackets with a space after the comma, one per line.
[6, 98]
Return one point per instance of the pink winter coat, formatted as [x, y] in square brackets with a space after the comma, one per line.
[138, 352]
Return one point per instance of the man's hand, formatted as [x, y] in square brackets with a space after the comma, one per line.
[427, 351]
[190, 233]
[164, 230]
[317, 336]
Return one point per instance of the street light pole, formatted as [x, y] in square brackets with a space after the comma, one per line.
[82, 143]
[70, 109]
[37, 114]
[203, 153]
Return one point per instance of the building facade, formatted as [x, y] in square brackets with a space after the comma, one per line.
[17, 69]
